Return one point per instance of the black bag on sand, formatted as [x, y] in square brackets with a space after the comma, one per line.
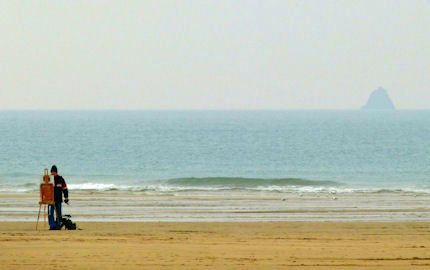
[67, 223]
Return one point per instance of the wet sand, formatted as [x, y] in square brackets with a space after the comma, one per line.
[226, 207]
[212, 245]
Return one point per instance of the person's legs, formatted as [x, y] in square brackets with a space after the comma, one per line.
[51, 219]
[58, 212]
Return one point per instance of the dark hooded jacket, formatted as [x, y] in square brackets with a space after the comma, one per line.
[60, 188]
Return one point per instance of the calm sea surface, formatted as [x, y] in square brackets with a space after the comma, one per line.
[282, 151]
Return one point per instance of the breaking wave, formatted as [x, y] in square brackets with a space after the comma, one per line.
[214, 184]
[239, 182]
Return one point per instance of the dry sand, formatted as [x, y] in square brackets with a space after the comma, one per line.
[283, 245]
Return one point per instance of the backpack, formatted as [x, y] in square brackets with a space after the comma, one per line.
[67, 223]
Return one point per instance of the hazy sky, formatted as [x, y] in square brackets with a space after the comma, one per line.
[212, 54]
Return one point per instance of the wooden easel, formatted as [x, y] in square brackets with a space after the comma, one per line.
[46, 197]
[45, 214]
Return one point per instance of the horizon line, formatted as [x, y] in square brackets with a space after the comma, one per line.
[202, 109]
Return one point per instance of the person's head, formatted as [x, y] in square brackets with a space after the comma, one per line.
[54, 170]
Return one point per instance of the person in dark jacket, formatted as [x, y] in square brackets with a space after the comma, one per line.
[60, 189]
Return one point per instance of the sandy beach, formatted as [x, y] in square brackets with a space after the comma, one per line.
[234, 245]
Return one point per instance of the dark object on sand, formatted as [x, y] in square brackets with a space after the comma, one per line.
[68, 223]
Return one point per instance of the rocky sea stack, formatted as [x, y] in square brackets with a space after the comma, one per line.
[379, 100]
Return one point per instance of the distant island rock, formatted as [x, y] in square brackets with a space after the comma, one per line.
[379, 100]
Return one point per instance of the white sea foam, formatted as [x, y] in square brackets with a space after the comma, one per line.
[97, 187]
[168, 187]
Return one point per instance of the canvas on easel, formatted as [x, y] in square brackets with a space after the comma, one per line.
[46, 193]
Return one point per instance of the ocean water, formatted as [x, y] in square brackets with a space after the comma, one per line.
[218, 151]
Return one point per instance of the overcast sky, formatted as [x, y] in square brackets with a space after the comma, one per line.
[212, 54]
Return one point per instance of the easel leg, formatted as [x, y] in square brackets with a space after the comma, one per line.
[44, 216]
[38, 216]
